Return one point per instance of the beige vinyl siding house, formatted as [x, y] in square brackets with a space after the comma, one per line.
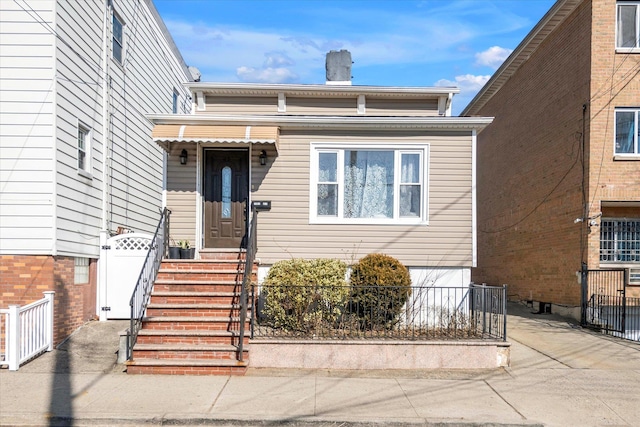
[77, 158]
[407, 131]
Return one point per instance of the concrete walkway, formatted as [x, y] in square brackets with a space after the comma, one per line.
[560, 375]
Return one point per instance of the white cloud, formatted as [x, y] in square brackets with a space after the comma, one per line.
[266, 75]
[277, 59]
[493, 57]
[275, 69]
[468, 83]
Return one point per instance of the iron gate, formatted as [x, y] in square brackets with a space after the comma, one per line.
[604, 299]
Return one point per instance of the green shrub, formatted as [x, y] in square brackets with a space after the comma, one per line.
[302, 295]
[380, 287]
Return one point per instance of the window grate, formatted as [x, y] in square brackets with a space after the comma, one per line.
[620, 240]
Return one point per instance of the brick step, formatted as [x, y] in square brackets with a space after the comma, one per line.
[220, 275]
[187, 367]
[168, 297]
[188, 264]
[202, 323]
[197, 286]
[228, 255]
[214, 337]
[193, 310]
[187, 351]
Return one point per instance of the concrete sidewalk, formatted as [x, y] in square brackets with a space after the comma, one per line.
[561, 375]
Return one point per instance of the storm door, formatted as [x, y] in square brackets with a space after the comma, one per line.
[226, 189]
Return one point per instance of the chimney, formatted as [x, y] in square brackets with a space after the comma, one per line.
[339, 67]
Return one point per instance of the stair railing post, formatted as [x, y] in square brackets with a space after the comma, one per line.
[14, 337]
[50, 318]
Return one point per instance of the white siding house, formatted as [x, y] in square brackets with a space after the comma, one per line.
[76, 154]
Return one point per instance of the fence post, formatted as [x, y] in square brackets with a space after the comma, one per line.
[504, 311]
[584, 284]
[50, 318]
[14, 337]
[484, 308]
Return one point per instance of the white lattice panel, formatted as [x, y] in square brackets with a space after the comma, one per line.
[132, 244]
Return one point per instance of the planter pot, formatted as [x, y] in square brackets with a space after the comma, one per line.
[174, 252]
[188, 253]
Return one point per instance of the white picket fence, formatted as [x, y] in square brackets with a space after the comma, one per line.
[27, 330]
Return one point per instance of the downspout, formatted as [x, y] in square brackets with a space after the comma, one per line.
[585, 227]
[104, 232]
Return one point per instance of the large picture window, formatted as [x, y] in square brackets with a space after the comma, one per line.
[627, 25]
[626, 131]
[368, 184]
[620, 240]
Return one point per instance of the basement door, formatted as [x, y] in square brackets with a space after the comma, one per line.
[226, 191]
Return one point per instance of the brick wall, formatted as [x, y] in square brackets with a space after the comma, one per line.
[23, 279]
[615, 83]
[530, 171]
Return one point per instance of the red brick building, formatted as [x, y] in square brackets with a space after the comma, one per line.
[558, 169]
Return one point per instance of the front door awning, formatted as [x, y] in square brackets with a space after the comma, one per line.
[164, 135]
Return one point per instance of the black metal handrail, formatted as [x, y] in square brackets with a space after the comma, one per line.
[142, 291]
[246, 278]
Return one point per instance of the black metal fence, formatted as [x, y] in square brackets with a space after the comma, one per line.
[606, 305]
[380, 312]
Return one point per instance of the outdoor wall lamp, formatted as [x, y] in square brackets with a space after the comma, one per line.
[263, 158]
[183, 157]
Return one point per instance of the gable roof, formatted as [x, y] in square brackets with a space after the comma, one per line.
[549, 22]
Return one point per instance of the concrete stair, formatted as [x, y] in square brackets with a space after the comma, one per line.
[192, 323]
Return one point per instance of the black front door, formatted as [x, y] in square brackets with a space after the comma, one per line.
[226, 189]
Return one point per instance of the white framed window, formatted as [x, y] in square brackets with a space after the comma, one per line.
[84, 149]
[174, 107]
[627, 26]
[368, 183]
[118, 38]
[626, 132]
[81, 271]
[620, 240]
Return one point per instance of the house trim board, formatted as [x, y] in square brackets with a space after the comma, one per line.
[311, 89]
[474, 199]
[328, 122]
[54, 138]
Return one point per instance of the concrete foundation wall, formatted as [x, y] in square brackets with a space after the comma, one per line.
[379, 355]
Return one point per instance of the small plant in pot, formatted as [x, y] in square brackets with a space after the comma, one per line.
[186, 251]
[174, 250]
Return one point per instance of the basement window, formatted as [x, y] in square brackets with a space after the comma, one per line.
[81, 271]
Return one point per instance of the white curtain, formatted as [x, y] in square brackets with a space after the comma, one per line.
[410, 194]
[368, 184]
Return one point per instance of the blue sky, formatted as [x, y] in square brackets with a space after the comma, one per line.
[392, 42]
